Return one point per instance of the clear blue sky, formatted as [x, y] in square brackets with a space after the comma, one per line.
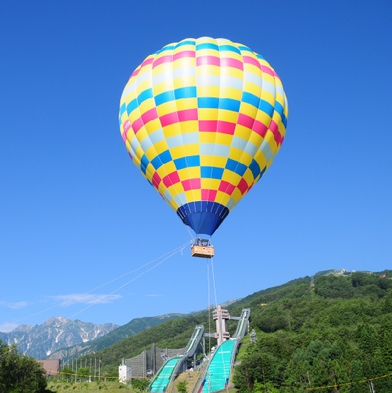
[75, 213]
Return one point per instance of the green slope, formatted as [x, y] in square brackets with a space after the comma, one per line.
[335, 327]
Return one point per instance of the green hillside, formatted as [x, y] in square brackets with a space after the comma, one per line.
[172, 334]
[332, 331]
[326, 330]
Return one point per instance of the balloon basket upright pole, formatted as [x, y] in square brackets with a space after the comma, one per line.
[202, 249]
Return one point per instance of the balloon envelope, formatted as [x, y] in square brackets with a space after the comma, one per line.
[203, 120]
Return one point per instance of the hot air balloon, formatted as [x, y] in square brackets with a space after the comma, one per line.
[203, 119]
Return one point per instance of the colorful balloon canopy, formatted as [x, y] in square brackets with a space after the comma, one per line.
[203, 119]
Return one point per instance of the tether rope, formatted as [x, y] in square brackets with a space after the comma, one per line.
[171, 253]
[165, 255]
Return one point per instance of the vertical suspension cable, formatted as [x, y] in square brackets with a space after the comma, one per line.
[226, 372]
[208, 306]
[213, 281]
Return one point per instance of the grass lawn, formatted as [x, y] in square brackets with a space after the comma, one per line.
[91, 387]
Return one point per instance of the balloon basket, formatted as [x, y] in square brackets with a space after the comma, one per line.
[202, 251]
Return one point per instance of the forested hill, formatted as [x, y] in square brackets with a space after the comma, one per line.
[335, 330]
[316, 331]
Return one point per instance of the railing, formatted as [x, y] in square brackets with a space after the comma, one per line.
[239, 334]
[242, 324]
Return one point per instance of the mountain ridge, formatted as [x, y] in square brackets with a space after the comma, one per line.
[39, 341]
[130, 329]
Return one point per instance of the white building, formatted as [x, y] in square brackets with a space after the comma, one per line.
[124, 373]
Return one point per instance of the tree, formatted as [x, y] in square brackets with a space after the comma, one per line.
[19, 373]
[264, 388]
[262, 363]
[182, 387]
[297, 371]
[83, 373]
[387, 306]
[67, 373]
[139, 384]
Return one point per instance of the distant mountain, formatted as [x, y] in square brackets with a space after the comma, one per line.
[132, 328]
[40, 341]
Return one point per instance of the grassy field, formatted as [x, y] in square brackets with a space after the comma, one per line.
[92, 387]
[95, 387]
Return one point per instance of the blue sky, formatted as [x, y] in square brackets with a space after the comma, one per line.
[83, 235]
